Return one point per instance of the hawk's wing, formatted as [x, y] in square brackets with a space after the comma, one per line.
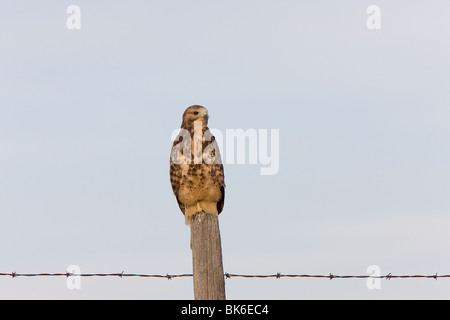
[217, 170]
[221, 176]
[175, 173]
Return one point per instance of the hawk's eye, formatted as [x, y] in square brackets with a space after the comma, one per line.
[195, 113]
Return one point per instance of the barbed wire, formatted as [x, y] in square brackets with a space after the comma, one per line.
[122, 274]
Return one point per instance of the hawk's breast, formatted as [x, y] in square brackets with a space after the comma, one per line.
[198, 183]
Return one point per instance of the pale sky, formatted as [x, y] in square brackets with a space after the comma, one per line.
[86, 118]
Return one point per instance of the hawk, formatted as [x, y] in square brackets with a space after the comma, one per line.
[196, 170]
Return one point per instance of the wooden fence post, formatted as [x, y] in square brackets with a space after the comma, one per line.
[209, 282]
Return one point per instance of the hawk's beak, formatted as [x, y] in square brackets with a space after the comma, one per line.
[204, 114]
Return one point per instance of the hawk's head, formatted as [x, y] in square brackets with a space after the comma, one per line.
[194, 113]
